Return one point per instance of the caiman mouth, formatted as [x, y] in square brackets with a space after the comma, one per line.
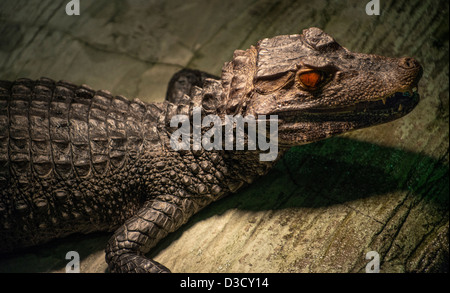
[394, 105]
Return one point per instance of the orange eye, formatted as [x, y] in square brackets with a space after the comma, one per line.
[310, 79]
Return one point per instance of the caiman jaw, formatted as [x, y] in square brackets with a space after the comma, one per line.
[396, 104]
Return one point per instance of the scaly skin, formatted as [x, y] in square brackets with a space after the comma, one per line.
[77, 160]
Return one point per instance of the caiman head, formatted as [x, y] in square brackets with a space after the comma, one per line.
[317, 87]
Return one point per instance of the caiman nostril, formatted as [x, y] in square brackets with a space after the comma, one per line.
[409, 63]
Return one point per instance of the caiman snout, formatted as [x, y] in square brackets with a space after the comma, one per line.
[412, 69]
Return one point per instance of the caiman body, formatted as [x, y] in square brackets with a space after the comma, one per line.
[75, 160]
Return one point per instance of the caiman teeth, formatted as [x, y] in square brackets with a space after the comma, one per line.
[410, 92]
[400, 107]
[384, 100]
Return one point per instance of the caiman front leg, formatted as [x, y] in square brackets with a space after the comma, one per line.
[126, 249]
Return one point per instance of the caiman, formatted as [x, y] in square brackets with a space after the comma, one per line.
[76, 160]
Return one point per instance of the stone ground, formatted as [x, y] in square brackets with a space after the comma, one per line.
[325, 205]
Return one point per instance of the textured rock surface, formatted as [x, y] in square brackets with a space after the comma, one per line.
[325, 205]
